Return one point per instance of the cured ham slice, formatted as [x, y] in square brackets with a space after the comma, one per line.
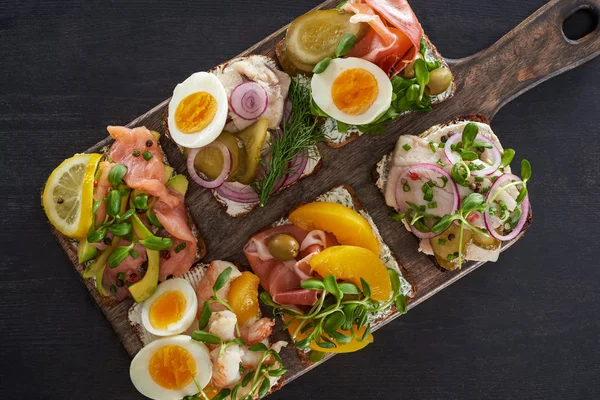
[395, 35]
[282, 279]
[146, 175]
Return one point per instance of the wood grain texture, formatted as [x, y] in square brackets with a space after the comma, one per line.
[527, 316]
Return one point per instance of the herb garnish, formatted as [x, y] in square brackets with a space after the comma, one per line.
[299, 138]
[336, 319]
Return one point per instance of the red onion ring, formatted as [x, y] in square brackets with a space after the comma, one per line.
[297, 165]
[238, 192]
[227, 165]
[249, 100]
[524, 210]
[454, 157]
[405, 177]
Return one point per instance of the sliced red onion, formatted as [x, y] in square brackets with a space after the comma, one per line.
[417, 172]
[249, 100]
[227, 165]
[238, 192]
[297, 165]
[501, 182]
[494, 155]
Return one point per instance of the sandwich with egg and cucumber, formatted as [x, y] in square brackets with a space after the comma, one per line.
[326, 270]
[453, 188]
[124, 213]
[370, 63]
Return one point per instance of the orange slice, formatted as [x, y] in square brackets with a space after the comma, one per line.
[243, 296]
[353, 345]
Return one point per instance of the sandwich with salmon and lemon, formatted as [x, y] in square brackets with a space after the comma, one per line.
[327, 271]
[452, 186]
[125, 215]
[368, 63]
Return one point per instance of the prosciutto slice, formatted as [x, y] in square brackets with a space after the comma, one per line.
[149, 175]
[282, 279]
[395, 35]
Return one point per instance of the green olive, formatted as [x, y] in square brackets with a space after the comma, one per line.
[283, 247]
[440, 79]
[409, 71]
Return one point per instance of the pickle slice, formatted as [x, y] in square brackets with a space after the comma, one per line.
[449, 246]
[315, 35]
[291, 67]
[209, 160]
[253, 139]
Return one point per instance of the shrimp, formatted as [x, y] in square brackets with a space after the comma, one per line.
[222, 324]
[250, 359]
[256, 331]
[205, 291]
[226, 365]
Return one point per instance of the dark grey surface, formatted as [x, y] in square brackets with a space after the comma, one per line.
[525, 327]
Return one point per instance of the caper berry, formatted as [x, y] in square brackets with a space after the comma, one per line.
[283, 247]
[440, 80]
[409, 71]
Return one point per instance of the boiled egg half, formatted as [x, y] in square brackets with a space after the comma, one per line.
[168, 368]
[171, 309]
[352, 90]
[198, 110]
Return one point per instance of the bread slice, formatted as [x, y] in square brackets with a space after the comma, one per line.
[336, 139]
[346, 196]
[112, 301]
[233, 208]
[381, 170]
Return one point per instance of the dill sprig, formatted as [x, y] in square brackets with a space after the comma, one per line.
[298, 138]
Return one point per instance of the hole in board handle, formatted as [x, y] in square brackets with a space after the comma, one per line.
[580, 23]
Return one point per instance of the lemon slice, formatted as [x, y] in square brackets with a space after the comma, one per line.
[68, 196]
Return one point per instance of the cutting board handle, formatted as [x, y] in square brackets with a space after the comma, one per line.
[534, 51]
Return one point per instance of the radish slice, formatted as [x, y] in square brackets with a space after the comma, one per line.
[227, 166]
[501, 182]
[445, 195]
[249, 100]
[490, 159]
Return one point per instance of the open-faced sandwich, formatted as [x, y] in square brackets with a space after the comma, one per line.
[204, 338]
[327, 271]
[453, 188]
[370, 62]
[246, 130]
[125, 211]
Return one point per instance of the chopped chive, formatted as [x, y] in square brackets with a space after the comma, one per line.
[433, 204]
[180, 247]
[422, 208]
[493, 178]
[440, 163]
[406, 187]
[147, 155]
[502, 205]
[134, 254]
[127, 283]
[428, 196]
[441, 145]
[485, 190]
[450, 257]
[406, 147]
[432, 146]
[479, 179]
[121, 275]
[113, 289]
[441, 242]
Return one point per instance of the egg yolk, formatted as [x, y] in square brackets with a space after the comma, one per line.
[167, 309]
[354, 91]
[172, 367]
[195, 112]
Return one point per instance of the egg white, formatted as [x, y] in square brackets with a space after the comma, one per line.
[191, 307]
[143, 382]
[321, 90]
[199, 82]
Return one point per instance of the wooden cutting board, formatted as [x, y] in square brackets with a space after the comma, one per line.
[531, 53]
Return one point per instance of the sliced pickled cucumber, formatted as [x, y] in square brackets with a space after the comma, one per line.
[209, 160]
[315, 35]
[445, 246]
[253, 138]
[487, 243]
[291, 67]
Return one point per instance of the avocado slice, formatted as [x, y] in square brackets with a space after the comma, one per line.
[102, 259]
[253, 138]
[156, 135]
[168, 172]
[86, 251]
[179, 183]
[144, 288]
